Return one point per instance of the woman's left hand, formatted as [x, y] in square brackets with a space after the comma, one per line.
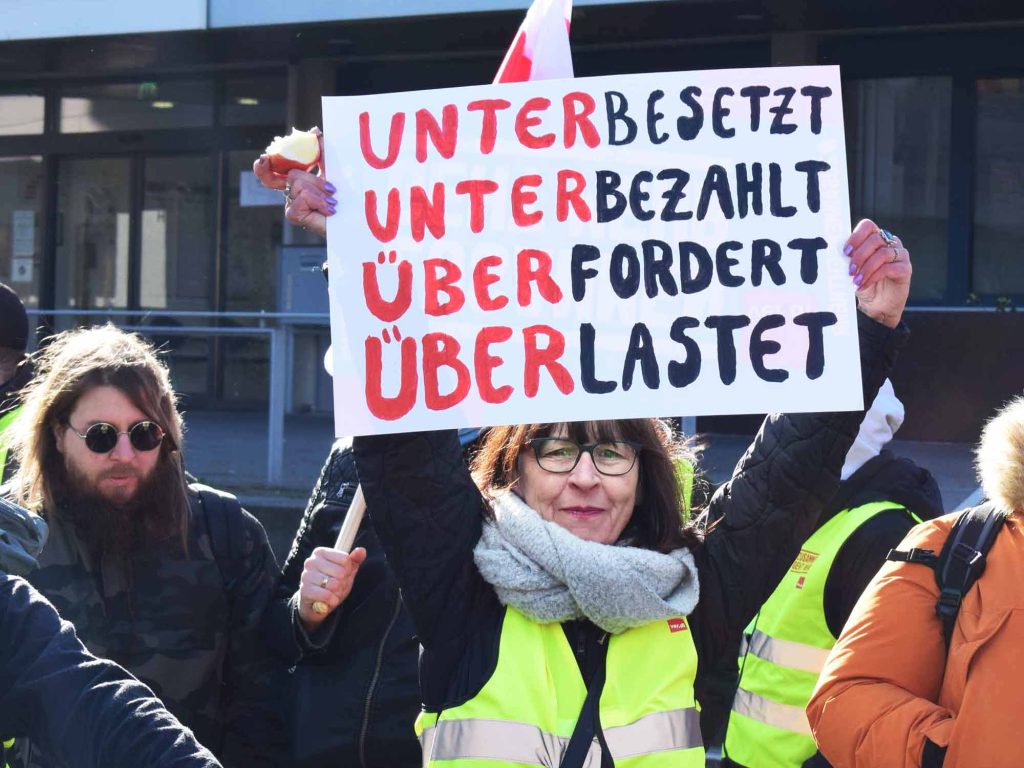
[880, 268]
[309, 197]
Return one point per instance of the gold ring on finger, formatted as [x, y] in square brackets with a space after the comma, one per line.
[895, 254]
[327, 579]
[319, 607]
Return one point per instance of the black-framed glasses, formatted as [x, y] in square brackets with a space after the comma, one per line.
[102, 437]
[561, 455]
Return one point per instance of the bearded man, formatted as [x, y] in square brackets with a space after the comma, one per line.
[167, 579]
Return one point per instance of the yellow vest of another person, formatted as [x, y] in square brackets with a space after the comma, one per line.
[784, 651]
[526, 712]
[5, 422]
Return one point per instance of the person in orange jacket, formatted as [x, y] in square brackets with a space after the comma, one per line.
[890, 694]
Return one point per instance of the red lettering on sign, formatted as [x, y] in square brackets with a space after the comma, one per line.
[578, 107]
[489, 128]
[476, 189]
[440, 277]
[534, 266]
[394, 140]
[525, 121]
[485, 363]
[390, 408]
[483, 279]
[544, 357]
[443, 136]
[384, 232]
[522, 197]
[424, 212]
[440, 349]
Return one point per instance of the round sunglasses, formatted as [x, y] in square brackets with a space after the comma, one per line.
[102, 437]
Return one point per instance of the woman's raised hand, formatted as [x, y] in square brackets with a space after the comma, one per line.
[309, 197]
[880, 268]
[326, 580]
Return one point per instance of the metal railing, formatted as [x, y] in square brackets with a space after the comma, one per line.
[276, 335]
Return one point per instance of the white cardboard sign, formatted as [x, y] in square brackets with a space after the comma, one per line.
[613, 247]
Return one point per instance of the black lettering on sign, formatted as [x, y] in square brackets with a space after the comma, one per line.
[760, 347]
[641, 350]
[588, 378]
[815, 322]
[681, 374]
[725, 325]
[617, 110]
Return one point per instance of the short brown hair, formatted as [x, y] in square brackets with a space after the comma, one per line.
[658, 519]
[72, 363]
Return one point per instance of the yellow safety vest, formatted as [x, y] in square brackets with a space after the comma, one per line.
[526, 712]
[784, 650]
[5, 422]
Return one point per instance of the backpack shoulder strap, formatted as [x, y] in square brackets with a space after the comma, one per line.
[218, 509]
[961, 561]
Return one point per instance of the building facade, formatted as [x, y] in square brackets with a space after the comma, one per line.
[128, 130]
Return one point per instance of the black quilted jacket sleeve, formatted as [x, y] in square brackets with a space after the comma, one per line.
[770, 506]
[427, 513]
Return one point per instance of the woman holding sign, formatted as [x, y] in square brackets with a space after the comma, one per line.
[566, 608]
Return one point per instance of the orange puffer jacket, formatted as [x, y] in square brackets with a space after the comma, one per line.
[888, 686]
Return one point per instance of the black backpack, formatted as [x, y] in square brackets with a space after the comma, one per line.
[961, 561]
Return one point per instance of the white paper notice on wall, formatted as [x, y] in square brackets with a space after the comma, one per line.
[23, 227]
[615, 247]
[21, 270]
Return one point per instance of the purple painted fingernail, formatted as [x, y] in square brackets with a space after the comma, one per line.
[847, 249]
[331, 211]
[332, 201]
[853, 268]
[331, 189]
[858, 279]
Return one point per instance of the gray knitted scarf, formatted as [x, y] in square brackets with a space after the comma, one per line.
[551, 575]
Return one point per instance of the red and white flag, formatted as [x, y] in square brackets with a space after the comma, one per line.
[540, 50]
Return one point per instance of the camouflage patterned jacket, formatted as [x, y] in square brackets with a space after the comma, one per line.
[185, 626]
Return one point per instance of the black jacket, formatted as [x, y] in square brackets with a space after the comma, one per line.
[427, 512]
[354, 696]
[89, 711]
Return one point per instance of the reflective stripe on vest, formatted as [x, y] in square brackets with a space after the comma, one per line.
[763, 710]
[786, 653]
[526, 712]
[786, 649]
[527, 744]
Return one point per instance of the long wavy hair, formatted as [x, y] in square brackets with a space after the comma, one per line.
[70, 364]
[658, 521]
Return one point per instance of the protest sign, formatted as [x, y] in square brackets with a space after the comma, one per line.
[608, 247]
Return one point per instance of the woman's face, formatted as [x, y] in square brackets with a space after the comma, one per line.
[587, 503]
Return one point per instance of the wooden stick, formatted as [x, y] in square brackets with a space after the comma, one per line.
[347, 535]
[353, 519]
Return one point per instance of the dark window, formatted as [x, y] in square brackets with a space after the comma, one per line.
[898, 152]
[92, 233]
[177, 233]
[997, 267]
[254, 101]
[139, 105]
